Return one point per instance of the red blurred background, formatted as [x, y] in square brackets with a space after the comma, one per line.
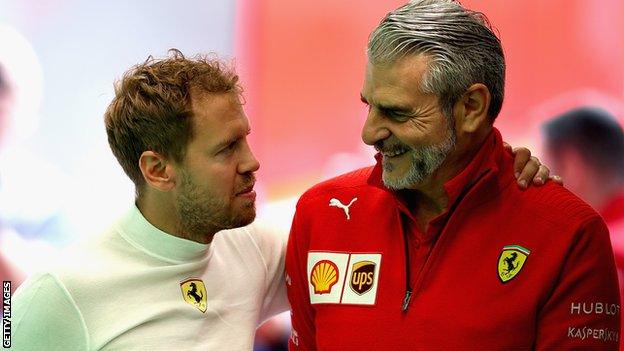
[302, 64]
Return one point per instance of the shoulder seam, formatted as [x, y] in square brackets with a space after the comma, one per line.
[75, 305]
[68, 296]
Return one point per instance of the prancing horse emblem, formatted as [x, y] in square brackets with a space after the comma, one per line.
[336, 203]
[194, 293]
[511, 261]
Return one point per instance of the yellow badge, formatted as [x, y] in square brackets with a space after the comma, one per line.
[362, 276]
[511, 261]
[194, 293]
[324, 276]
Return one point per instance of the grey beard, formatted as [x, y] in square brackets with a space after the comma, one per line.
[425, 160]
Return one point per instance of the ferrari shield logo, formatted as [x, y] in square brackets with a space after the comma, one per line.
[511, 261]
[194, 293]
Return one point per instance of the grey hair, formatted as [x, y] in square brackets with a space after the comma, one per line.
[460, 43]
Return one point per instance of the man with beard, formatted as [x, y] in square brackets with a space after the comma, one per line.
[435, 247]
[161, 278]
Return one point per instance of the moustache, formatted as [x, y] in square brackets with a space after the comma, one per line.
[249, 180]
[391, 146]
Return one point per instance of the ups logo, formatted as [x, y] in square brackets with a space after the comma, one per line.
[362, 277]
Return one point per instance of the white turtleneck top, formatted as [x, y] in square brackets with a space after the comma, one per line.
[124, 292]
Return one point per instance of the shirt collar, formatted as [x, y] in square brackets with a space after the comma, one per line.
[486, 160]
[135, 228]
[483, 162]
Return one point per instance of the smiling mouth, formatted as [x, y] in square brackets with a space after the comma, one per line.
[394, 153]
[246, 190]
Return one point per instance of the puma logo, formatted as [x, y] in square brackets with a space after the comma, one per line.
[336, 203]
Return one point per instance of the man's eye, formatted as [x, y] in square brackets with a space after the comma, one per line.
[398, 117]
[231, 146]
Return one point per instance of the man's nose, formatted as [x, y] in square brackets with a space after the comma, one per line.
[374, 129]
[250, 163]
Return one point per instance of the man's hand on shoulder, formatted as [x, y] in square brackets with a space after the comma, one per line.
[528, 169]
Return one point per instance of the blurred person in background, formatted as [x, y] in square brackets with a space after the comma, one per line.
[435, 247]
[8, 271]
[34, 224]
[586, 146]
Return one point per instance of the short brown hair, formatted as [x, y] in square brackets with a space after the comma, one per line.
[151, 109]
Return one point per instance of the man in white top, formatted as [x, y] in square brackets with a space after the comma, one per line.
[160, 279]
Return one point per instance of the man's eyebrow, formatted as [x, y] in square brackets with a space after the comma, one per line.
[395, 108]
[225, 143]
[388, 107]
[230, 140]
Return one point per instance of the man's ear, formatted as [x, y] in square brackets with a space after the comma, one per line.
[472, 107]
[157, 171]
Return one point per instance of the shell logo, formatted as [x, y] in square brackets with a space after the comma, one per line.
[324, 276]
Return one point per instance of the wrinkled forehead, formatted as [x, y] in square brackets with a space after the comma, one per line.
[398, 79]
[215, 109]
[218, 115]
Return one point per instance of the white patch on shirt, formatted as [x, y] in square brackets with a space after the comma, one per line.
[326, 276]
[343, 278]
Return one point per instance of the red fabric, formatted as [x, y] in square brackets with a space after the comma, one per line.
[613, 214]
[567, 286]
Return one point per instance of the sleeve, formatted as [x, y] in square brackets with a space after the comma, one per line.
[272, 243]
[45, 317]
[583, 310]
[302, 316]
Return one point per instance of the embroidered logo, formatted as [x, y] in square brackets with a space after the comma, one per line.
[336, 203]
[324, 276]
[362, 276]
[511, 261]
[194, 293]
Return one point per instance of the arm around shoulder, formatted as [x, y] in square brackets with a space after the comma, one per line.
[45, 317]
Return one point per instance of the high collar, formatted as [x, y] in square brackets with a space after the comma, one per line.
[143, 235]
[482, 168]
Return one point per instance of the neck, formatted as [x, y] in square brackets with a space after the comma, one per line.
[431, 199]
[425, 207]
[161, 212]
